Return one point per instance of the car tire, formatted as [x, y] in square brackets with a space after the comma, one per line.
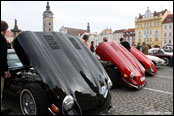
[166, 61]
[114, 76]
[33, 100]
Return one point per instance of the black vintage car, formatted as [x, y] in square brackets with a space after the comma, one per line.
[57, 74]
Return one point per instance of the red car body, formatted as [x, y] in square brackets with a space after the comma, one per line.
[145, 61]
[124, 61]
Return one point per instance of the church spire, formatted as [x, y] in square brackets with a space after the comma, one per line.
[88, 27]
[48, 6]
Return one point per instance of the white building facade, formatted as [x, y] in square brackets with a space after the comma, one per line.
[167, 31]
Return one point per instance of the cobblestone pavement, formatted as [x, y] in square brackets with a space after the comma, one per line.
[156, 98]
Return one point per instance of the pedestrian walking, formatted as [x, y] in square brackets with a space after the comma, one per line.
[125, 44]
[3, 60]
[145, 48]
[92, 46]
[85, 39]
[138, 46]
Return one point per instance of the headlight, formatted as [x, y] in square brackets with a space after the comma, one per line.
[132, 75]
[68, 102]
[109, 83]
[151, 68]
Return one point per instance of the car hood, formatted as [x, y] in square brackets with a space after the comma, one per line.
[143, 59]
[63, 62]
[154, 58]
[120, 56]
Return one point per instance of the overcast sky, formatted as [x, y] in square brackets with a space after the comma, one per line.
[76, 14]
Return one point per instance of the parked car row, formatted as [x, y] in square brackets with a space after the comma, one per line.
[55, 73]
[158, 52]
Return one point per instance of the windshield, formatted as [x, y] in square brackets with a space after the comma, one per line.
[13, 61]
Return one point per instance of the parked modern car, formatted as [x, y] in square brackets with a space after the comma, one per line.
[57, 74]
[161, 54]
[156, 60]
[121, 65]
[145, 61]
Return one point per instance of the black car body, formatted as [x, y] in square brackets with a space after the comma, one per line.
[59, 74]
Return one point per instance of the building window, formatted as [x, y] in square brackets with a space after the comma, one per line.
[150, 32]
[170, 26]
[49, 29]
[156, 31]
[158, 23]
[170, 34]
[144, 39]
[165, 34]
[147, 24]
[165, 27]
[156, 38]
[139, 34]
[150, 24]
[49, 23]
[150, 39]
[144, 24]
[165, 41]
[154, 23]
[170, 41]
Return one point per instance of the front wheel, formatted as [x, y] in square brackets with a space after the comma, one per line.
[33, 100]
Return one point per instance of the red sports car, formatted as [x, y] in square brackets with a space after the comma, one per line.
[120, 64]
[144, 60]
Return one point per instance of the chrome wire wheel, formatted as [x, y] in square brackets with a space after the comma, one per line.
[166, 61]
[27, 103]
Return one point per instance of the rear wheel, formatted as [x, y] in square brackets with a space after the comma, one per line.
[33, 100]
[166, 61]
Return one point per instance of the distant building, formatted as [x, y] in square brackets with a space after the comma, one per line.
[72, 31]
[148, 27]
[129, 36]
[117, 34]
[167, 31]
[48, 19]
[104, 33]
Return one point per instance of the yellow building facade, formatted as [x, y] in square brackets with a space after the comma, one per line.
[148, 27]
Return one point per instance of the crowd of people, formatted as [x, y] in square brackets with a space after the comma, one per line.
[144, 48]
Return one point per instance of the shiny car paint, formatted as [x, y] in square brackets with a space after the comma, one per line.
[66, 67]
[146, 62]
[124, 60]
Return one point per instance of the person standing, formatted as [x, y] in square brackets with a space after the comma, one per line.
[145, 48]
[105, 39]
[138, 47]
[92, 46]
[125, 44]
[85, 39]
[3, 60]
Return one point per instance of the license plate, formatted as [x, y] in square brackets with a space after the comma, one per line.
[142, 79]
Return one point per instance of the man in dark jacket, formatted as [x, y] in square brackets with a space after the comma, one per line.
[3, 59]
[125, 44]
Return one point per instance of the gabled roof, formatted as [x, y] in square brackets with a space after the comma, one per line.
[154, 14]
[168, 19]
[130, 30]
[74, 31]
[119, 31]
